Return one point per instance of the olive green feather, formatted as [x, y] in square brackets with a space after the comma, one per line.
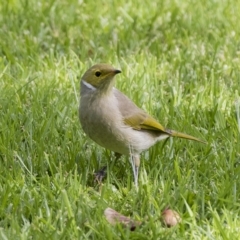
[136, 118]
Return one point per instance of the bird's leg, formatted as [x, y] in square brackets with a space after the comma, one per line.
[101, 174]
[135, 162]
[117, 156]
[136, 159]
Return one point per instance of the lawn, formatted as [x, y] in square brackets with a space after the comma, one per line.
[180, 62]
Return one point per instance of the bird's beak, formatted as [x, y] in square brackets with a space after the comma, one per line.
[117, 71]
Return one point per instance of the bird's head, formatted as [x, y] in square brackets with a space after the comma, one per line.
[100, 76]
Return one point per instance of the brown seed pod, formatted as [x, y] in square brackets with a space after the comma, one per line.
[170, 217]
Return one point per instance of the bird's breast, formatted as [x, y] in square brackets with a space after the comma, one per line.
[102, 122]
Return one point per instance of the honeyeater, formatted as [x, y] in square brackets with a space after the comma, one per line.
[113, 121]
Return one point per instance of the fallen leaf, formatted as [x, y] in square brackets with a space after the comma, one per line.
[114, 217]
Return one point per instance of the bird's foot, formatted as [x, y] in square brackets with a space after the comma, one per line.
[100, 175]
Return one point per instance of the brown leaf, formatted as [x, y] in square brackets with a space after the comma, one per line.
[114, 217]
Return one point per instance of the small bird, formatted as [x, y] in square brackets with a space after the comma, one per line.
[113, 121]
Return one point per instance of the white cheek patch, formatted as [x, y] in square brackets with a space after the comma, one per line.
[88, 85]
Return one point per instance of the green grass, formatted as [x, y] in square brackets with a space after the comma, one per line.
[180, 62]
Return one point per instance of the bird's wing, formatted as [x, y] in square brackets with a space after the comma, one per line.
[135, 117]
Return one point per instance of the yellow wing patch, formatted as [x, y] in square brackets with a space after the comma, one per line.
[143, 121]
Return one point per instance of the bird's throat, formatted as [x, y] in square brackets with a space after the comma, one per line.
[103, 89]
[88, 85]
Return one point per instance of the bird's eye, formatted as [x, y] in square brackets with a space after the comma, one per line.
[97, 74]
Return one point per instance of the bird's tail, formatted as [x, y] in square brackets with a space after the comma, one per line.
[183, 135]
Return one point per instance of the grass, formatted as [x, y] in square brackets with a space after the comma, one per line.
[180, 62]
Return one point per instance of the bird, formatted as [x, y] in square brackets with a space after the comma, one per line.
[115, 122]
